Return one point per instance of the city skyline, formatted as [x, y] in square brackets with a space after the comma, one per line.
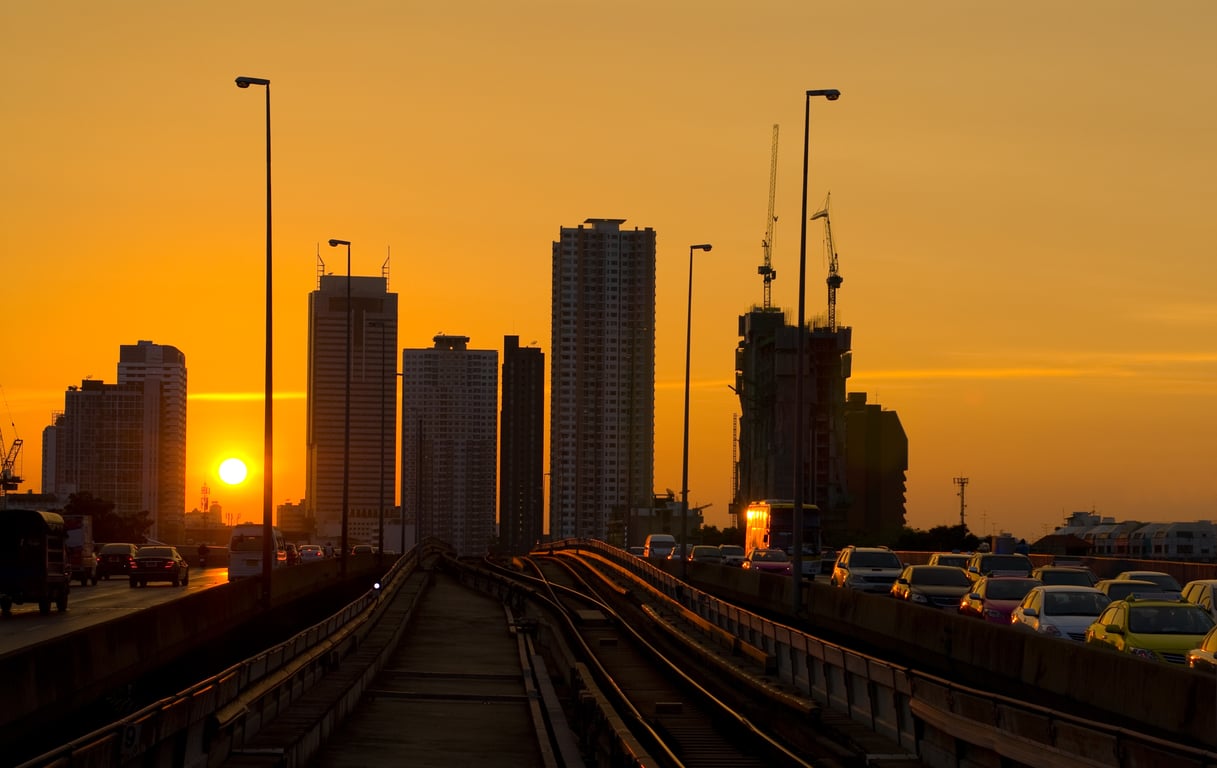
[1021, 200]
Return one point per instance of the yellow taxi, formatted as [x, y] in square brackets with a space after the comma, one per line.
[1154, 629]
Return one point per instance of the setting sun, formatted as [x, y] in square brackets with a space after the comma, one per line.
[232, 471]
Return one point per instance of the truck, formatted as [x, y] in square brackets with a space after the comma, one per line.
[34, 563]
[82, 553]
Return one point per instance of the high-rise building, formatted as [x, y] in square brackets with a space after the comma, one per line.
[164, 368]
[522, 447]
[125, 443]
[367, 479]
[602, 379]
[766, 383]
[877, 459]
[449, 436]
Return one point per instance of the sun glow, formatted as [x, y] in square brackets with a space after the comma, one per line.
[232, 471]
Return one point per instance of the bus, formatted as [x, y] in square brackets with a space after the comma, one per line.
[770, 524]
[245, 551]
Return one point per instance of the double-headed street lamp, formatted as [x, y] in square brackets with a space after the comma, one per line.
[346, 428]
[268, 549]
[796, 571]
[684, 463]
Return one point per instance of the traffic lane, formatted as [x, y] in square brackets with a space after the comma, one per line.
[107, 600]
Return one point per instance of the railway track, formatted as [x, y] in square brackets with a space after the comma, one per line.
[651, 676]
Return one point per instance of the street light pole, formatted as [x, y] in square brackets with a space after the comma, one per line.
[796, 571]
[684, 463]
[268, 498]
[380, 552]
[346, 428]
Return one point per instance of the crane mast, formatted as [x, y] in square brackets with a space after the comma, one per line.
[834, 278]
[766, 270]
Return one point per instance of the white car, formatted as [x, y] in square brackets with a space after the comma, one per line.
[1059, 610]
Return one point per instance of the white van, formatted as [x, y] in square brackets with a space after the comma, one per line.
[658, 546]
[245, 551]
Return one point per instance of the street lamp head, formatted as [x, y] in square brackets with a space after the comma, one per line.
[832, 94]
[335, 243]
[700, 247]
[245, 82]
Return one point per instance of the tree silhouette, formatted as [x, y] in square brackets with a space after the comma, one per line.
[107, 525]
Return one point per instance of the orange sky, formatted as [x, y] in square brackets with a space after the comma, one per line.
[1022, 196]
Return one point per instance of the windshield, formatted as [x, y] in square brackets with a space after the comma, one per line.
[1075, 603]
[936, 577]
[874, 560]
[1008, 589]
[246, 543]
[1005, 563]
[1169, 620]
[770, 555]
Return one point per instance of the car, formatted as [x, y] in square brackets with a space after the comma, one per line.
[310, 553]
[658, 546]
[363, 549]
[1064, 574]
[1201, 592]
[1202, 657]
[866, 569]
[937, 586]
[705, 553]
[767, 560]
[115, 559]
[733, 554]
[1059, 610]
[1118, 589]
[1152, 629]
[1165, 581]
[957, 559]
[994, 598]
[993, 564]
[159, 563]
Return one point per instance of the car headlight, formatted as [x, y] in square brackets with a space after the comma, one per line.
[1142, 653]
[1050, 629]
[991, 613]
[917, 597]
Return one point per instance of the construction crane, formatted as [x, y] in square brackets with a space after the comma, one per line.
[834, 278]
[766, 270]
[9, 477]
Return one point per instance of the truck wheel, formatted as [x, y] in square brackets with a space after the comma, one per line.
[186, 579]
[177, 582]
[44, 606]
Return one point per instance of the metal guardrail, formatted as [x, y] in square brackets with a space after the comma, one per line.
[930, 716]
[226, 709]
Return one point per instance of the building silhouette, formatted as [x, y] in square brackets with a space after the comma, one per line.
[765, 382]
[877, 458]
[126, 442]
[449, 441]
[522, 447]
[369, 476]
[164, 368]
[602, 379]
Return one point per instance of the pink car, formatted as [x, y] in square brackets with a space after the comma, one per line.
[767, 561]
[994, 598]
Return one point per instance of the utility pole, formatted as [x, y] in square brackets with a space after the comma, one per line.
[962, 482]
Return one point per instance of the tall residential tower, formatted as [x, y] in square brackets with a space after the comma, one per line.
[449, 440]
[602, 390]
